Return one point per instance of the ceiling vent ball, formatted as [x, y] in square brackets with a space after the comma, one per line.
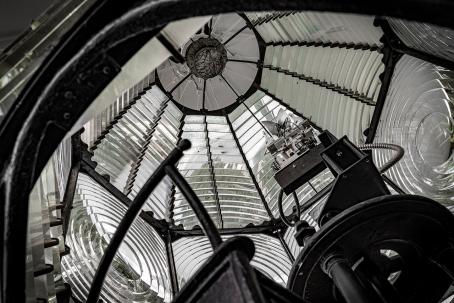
[206, 57]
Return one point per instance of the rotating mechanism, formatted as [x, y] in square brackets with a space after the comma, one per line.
[372, 246]
[393, 246]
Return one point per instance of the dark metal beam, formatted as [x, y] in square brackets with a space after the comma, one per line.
[88, 167]
[171, 265]
[390, 58]
[336, 88]
[255, 117]
[393, 185]
[143, 149]
[403, 49]
[286, 248]
[244, 61]
[271, 17]
[171, 48]
[230, 86]
[210, 26]
[204, 93]
[235, 34]
[173, 189]
[398, 46]
[326, 44]
[251, 174]
[178, 84]
[213, 178]
[71, 183]
[267, 228]
[119, 116]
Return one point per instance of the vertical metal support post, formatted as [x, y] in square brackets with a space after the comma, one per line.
[390, 58]
[285, 246]
[70, 190]
[171, 264]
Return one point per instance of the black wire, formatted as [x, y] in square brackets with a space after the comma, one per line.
[281, 211]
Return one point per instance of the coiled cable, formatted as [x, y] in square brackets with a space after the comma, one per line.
[391, 162]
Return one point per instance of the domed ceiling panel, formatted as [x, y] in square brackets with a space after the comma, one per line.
[171, 74]
[221, 65]
[227, 26]
[243, 46]
[218, 93]
[190, 93]
[239, 76]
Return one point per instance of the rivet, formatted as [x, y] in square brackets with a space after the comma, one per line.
[69, 94]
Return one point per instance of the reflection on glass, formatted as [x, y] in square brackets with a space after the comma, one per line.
[418, 115]
[139, 272]
[270, 257]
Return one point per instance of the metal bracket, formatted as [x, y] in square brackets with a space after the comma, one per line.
[357, 178]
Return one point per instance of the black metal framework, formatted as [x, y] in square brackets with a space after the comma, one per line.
[285, 246]
[326, 44]
[171, 263]
[171, 48]
[87, 166]
[393, 50]
[149, 136]
[71, 183]
[172, 190]
[338, 89]
[135, 208]
[119, 116]
[84, 62]
[266, 228]
[398, 46]
[271, 16]
[213, 178]
[227, 110]
[390, 59]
